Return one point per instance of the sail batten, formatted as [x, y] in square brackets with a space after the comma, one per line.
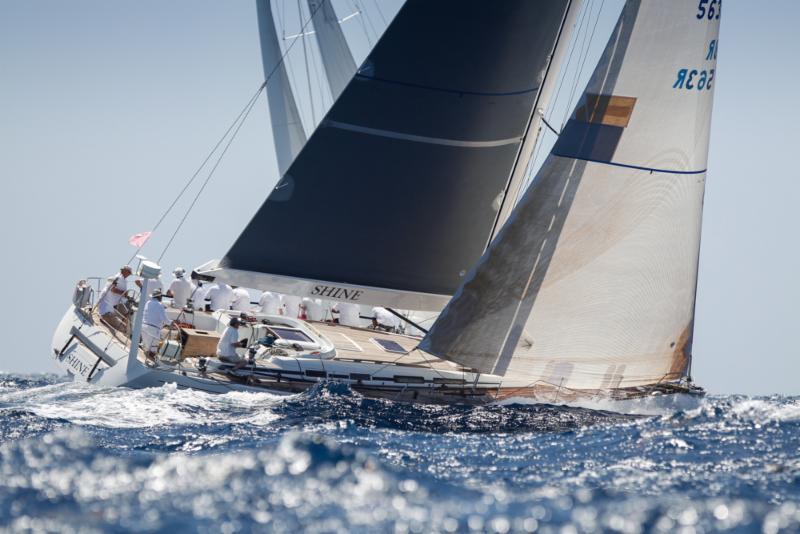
[591, 282]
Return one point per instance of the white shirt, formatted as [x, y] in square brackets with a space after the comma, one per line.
[109, 299]
[241, 299]
[348, 313]
[384, 317]
[270, 303]
[314, 309]
[155, 315]
[199, 297]
[291, 306]
[181, 290]
[225, 346]
[221, 296]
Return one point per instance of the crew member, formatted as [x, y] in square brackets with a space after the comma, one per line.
[111, 296]
[229, 342]
[220, 297]
[313, 309]
[349, 314]
[270, 303]
[241, 299]
[291, 306]
[198, 298]
[180, 289]
[155, 318]
[383, 319]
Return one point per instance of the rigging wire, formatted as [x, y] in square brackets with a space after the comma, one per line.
[250, 105]
[239, 120]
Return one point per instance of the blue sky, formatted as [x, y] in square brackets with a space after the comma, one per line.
[107, 107]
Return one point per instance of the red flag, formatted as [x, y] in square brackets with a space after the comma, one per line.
[139, 240]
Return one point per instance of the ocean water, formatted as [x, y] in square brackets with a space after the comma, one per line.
[77, 458]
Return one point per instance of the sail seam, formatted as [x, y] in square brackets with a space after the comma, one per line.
[420, 138]
[447, 90]
[629, 166]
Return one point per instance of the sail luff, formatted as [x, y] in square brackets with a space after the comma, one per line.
[533, 131]
[337, 59]
[591, 283]
[287, 128]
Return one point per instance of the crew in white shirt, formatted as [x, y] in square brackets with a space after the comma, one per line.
[180, 289]
[270, 303]
[314, 310]
[111, 296]
[155, 318]
[383, 319]
[229, 342]
[349, 313]
[291, 306]
[220, 296]
[241, 299]
[198, 298]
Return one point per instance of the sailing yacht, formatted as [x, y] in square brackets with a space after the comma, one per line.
[584, 288]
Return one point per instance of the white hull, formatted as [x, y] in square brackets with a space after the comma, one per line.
[90, 351]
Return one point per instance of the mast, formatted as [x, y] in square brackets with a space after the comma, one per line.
[287, 128]
[336, 56]
[533, 131]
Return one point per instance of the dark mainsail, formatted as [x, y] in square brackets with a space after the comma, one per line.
[400, 185]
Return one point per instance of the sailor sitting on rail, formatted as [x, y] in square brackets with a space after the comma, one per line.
[180, 289]
[241, 299]
[346, 313]
[383, 319]
[220, 297]
[155, 318]
[270, 303]
[229, 342]
[111, 296]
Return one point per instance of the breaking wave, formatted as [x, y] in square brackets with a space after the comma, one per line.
[74, 456]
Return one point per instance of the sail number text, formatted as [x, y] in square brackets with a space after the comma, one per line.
[709, 9]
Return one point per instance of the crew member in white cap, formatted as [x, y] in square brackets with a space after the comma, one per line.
[383, 319]
[155, 318]
[180, 289]
[229, 342]
[111, 296]
[347, 313]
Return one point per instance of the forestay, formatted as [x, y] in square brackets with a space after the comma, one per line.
[398, 188]
[591, 283]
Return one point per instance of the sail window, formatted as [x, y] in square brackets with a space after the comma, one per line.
[291, 334]
[389, 345]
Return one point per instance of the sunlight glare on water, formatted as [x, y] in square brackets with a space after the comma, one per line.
[330, 460]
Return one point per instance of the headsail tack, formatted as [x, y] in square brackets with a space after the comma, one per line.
[397, 190]
[591, 282]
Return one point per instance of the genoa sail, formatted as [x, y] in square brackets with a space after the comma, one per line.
[337, 59]
[287, 128]
[591, 282]
[398, 188]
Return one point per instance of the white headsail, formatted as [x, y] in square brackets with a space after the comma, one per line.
[287, 128]
[336, 56]
[591, 282]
